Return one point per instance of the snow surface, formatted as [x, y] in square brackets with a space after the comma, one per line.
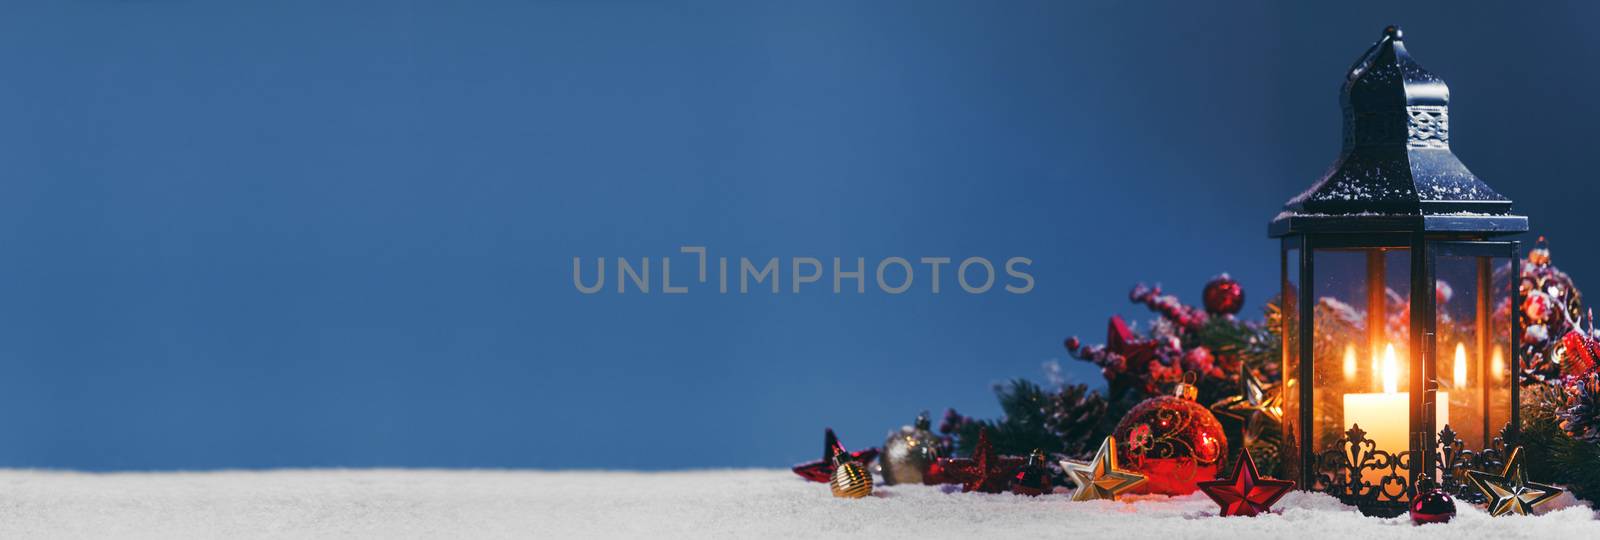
[698, 504]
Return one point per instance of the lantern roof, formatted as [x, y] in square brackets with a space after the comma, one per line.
[1395, 171]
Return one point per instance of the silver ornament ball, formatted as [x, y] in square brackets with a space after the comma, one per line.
[909, 452]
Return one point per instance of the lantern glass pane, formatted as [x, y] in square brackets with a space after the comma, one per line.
[1473, 329]
[1361, 346]
[1501, 365]
[1457, 329]
[1290, 387]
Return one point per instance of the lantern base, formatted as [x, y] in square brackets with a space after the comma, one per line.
[1344, 467]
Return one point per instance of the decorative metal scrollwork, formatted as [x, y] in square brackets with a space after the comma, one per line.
[1341, 471]
[1454, 460]
[1428, 126]
[1343, 468]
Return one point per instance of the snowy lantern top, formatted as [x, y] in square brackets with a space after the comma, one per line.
[1395, 170]
[1396, 300]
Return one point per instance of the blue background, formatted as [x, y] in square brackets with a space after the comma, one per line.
[330, 234]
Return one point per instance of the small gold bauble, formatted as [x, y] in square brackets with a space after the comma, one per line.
[851, 480]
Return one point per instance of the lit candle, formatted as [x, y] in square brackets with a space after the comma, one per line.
[1461, 366]
[1349, 363]
[1386, 416]
[1391, 371]
[1497, 364]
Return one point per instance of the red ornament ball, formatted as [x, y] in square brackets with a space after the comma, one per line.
[1172, 440]
[1223, 296]
[1538, 306]
[1433, 506]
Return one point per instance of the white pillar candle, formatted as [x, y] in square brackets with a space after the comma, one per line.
[1386, 416]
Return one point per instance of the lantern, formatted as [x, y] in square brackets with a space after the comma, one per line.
[1398, 297]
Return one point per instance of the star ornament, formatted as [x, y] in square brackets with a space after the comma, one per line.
[1101, 478]
[822, 470]
[1510, 492]
[985, 471]
[1245, 492]
[1257, 405]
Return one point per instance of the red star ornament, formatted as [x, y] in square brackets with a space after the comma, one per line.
[984, 471]
[1246, 493]
[1120, 339]
[822, 470]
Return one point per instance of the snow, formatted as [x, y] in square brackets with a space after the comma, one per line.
[696, 504]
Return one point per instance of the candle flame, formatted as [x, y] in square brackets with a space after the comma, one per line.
[1497, 364]
[1461, 365]
[1391, 371]
[1349, 362]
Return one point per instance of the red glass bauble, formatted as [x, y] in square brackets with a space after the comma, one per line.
[1173, 441]
[1223, 296]
[1432, 506]
[1537, 306]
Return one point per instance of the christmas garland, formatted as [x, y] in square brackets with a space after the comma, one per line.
[1230, 361]
[1560, 381]
[1212, 346]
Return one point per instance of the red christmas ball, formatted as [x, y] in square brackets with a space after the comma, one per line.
[1432, 506]
[1172, 440]
[1538, 306]
[1223, 296]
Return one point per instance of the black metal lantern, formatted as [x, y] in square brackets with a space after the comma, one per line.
[1398, 299]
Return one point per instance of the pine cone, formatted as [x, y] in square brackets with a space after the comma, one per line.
[1580, 417]
[1268, 461]
[1074, 415]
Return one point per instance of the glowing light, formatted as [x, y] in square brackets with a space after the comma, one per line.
[1383, 416]
[1349, 362]
[1497, 364]
[1461, 365]
[1391, 371]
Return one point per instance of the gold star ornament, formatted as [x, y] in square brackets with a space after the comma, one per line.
[1257, 405]
[1510, 492]
[1101, 479]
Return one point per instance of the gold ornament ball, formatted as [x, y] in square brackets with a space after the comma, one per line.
[851, 480]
